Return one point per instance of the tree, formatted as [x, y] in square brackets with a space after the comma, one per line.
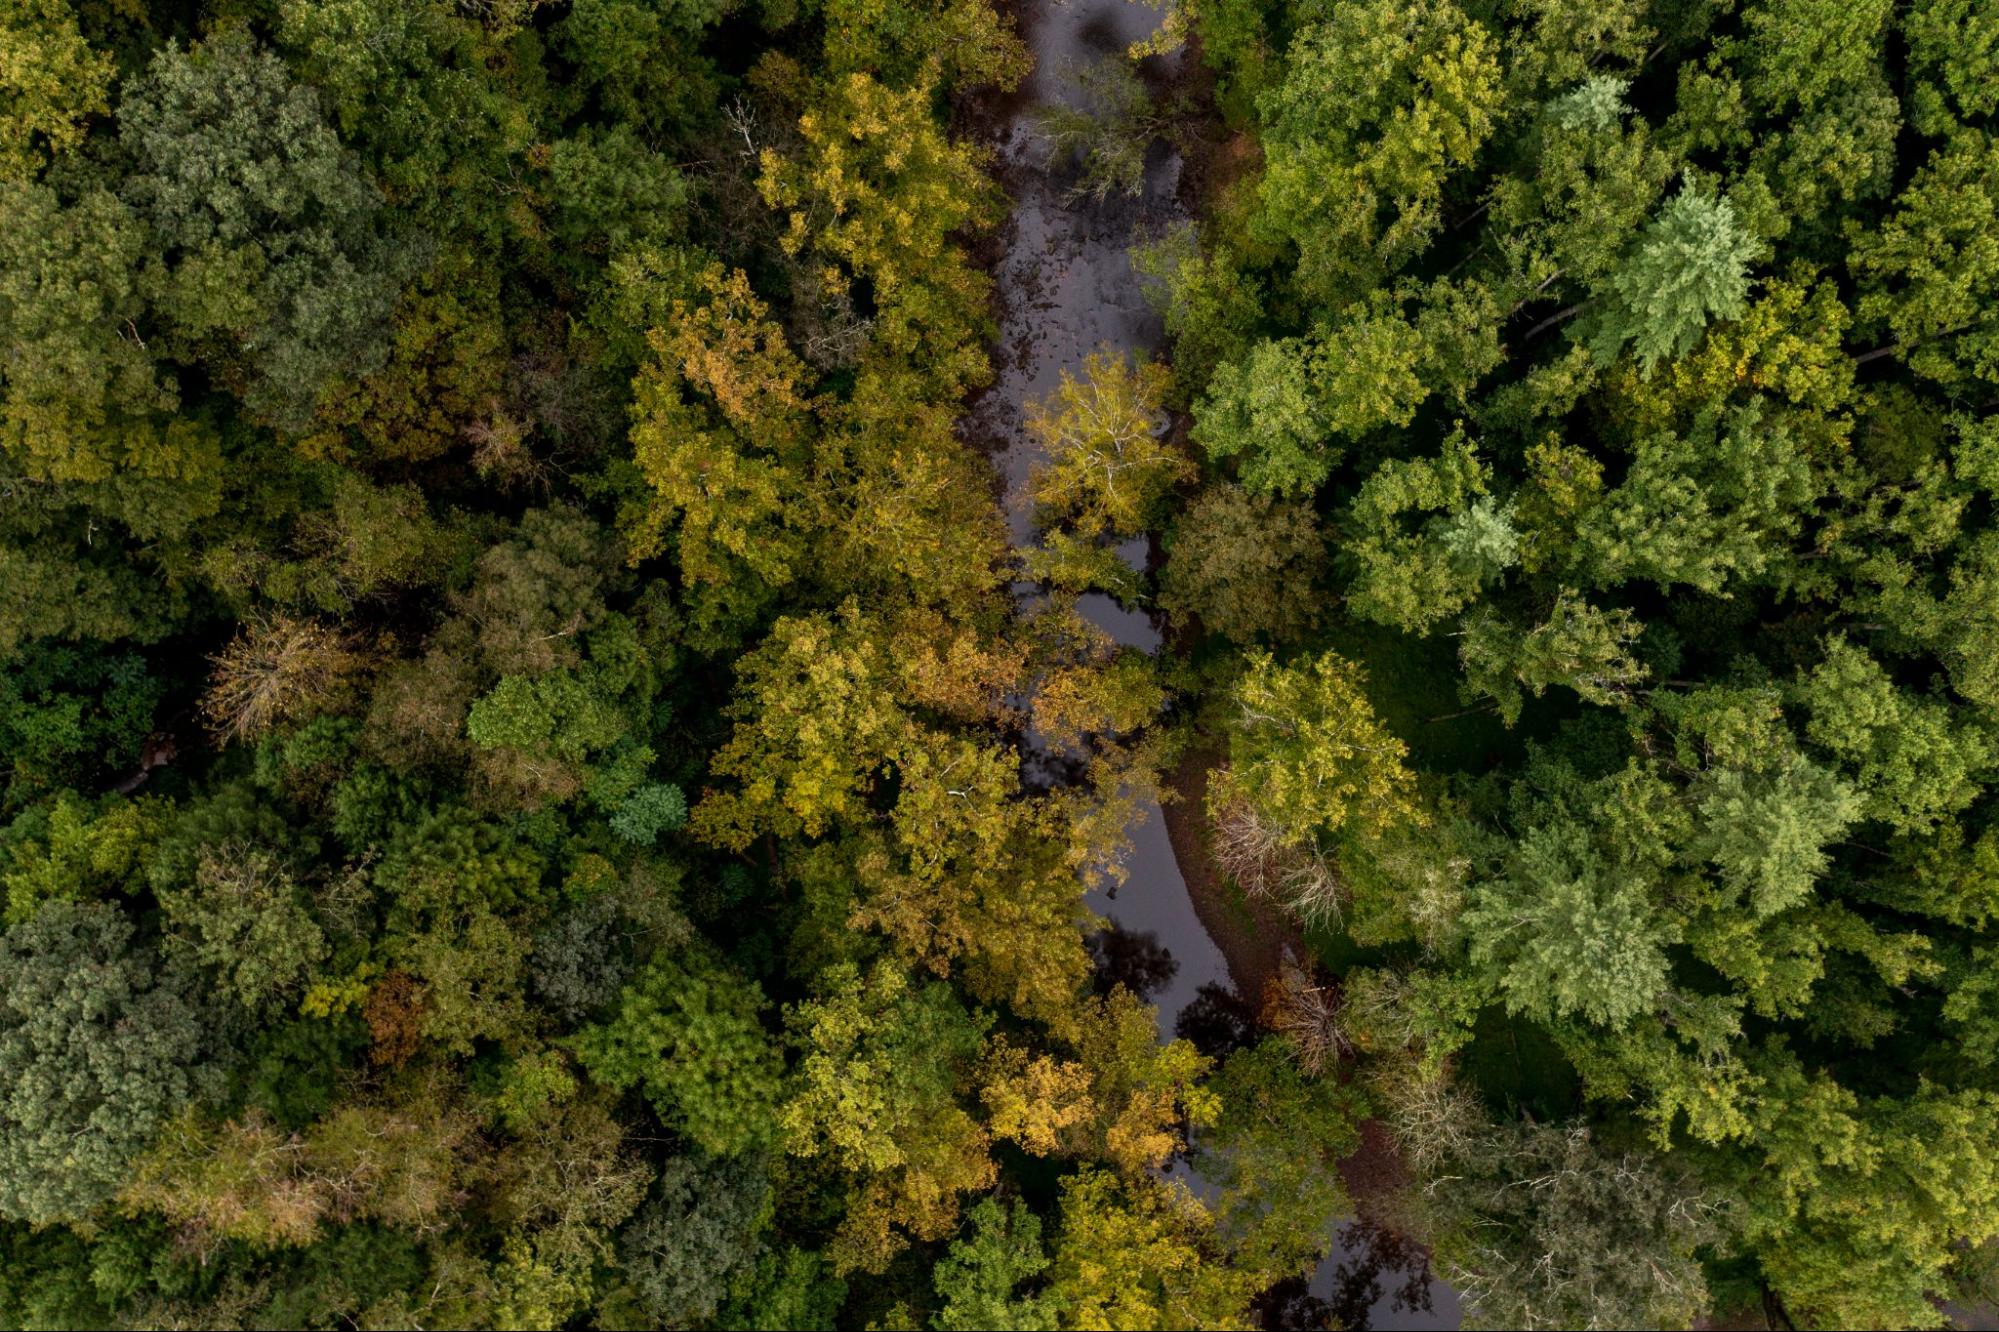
[979, 1279]
[815, 722]
[875, 1092]
[879, 191]
[1546, 1227]
[1767, 832]
[1241, 565]
[1954, 44]
[53, 82]
[270, 264]
[1106, 138]
[99, 1046]
[1569, 934]
[1800, 52]
[1712, 509]
[1912, 761]
[720, 434]
[1137, 1253]
[1264, 408]
[84, 397]
[1309, 755]
[1467, 539]
[1578, 646]
[1690, 268]
[1108, 471]
[1380, 103]
[687, 1032]
[1123, 1099]
[280, 670]
[1928, 272]
[1274, 1152]
[245, 921]
[700, 1234]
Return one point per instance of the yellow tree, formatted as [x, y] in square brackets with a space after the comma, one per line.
[1309, 755]
[1109, 471]
[879, 192]
[721, 436]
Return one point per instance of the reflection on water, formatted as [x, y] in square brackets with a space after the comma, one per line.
[1218, 1022]
[1134, 959]
[1376, 1279]
[1289, 1305]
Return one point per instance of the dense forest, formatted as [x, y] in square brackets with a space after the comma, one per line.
[540, 786]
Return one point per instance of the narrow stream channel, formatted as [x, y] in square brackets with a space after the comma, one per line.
[1066, 286]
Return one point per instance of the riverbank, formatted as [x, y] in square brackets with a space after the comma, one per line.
[1255, 936]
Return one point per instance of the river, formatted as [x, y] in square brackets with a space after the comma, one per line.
[1065, 286]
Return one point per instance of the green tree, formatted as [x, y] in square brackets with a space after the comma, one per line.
[1689, 269]
[1578, 646]
[688, 1032]
[1568, 933]
[1242, 566]
[699, 1235]
[1274, 1151]
[269, 262]
[1545, 1226]
[99, 1046]
[979, 1279]
[875, 1093]
[246, 921]
[1465, 540]
[1928, 272]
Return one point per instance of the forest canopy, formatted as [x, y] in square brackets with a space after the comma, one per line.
[540, 787]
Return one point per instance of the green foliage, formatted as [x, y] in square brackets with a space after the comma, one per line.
[1567, 934]
[1558, 1230]
[1689, 268]
[698, 1238]
[687, 1033]
[1577, 646]
[649, 811]
[269, 265]
[246, 923]
[1309, 755]
[1241, 566]
[979, 1280]
[1466, 540]
[1275, 1151]
[99, 1046]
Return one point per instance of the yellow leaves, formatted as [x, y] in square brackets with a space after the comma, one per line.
[729, 348]
[51, 81]
[881, 191]
[1132, 1255]
[1787, 344]
[952, 668]
[816, 718]
[1309, 755]
[329, 999]
[1076, 703]
[1122, 1099]
[1038, 1103]
[1108, 469]
[725, 463]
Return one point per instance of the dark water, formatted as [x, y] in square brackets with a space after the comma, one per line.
[1066, 286]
